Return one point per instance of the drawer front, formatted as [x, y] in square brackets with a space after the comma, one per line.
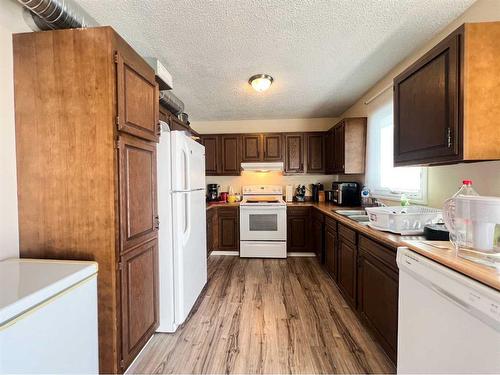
[331, 223]
[385, 254]
[347, 233]
[298, 211]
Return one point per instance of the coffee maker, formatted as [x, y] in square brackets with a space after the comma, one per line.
[316, 188]
[212, 192]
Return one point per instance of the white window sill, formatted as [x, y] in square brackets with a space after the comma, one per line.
[397, 198]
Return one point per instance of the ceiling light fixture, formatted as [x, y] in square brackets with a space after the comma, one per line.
[261, 82]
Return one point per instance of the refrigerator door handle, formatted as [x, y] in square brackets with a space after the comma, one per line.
[187, 167]
[187, 217]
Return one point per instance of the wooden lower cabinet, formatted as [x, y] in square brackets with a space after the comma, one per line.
[298, 229]
[139, 298]
[378, 293]
[318, 235]
[211, 229]
[331, 253]
[347, 264]
[228, 228]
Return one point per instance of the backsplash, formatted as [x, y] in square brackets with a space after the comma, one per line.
[276, 178]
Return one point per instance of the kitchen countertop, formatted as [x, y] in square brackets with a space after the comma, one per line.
[389, 239]
[212, 205]
[446, 256]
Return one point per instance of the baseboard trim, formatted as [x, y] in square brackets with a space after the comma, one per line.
[225, 253]
[138, 354]
[301, 254]
[237, 253]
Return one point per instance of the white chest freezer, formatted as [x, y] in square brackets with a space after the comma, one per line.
[48, 317]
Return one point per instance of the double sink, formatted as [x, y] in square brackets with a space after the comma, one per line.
[359, 216]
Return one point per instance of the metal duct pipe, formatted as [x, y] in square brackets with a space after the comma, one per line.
[171, 102]
[58, 14]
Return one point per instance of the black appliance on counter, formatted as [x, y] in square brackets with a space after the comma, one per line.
[316, 188]
[212, 192]
[346, 193]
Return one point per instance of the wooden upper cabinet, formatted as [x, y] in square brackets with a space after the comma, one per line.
[137, 176]
[137, 99]
[294, 152]
[252, 147]
[315, 144]
[426, 109]
[176, 124]
[139, 298]
[329, 150]
[339, 148]
[164, 115]
[261, 147]
[211, 143]
[446, 104]
[346, 147]
[230, 155]
[272, 146]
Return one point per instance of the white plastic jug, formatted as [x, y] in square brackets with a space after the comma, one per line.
[472, 222]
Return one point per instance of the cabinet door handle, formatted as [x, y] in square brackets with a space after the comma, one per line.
[448, 136]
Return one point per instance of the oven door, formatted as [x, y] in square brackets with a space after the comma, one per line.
[263, 223]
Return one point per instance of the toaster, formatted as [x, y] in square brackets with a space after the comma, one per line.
[346, 193]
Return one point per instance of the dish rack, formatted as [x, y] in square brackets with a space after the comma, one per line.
[409, 220]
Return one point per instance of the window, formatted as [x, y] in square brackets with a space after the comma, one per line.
[383, 179]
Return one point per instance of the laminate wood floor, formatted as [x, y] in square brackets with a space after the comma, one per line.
[266, 316]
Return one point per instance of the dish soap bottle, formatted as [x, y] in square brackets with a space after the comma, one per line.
[365, 197]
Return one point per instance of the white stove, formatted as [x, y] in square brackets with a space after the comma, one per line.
[263, 195]
[263, 222]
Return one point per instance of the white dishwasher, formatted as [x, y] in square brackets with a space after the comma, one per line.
[448, 323]
[48, 317]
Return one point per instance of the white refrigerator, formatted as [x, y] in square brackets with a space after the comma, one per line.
[182, 233]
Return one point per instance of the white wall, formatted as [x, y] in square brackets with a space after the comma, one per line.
[11, 21]
[276, 125]
[443, 181]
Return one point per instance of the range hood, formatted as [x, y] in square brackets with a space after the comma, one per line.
[263, 167]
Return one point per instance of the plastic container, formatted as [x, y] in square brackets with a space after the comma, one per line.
[449, 204]
[403, 220]
[473, 222]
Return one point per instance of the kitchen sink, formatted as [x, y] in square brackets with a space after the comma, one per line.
[359, 218]
[350, 212]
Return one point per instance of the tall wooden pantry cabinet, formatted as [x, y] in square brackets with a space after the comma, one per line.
[86, 109]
